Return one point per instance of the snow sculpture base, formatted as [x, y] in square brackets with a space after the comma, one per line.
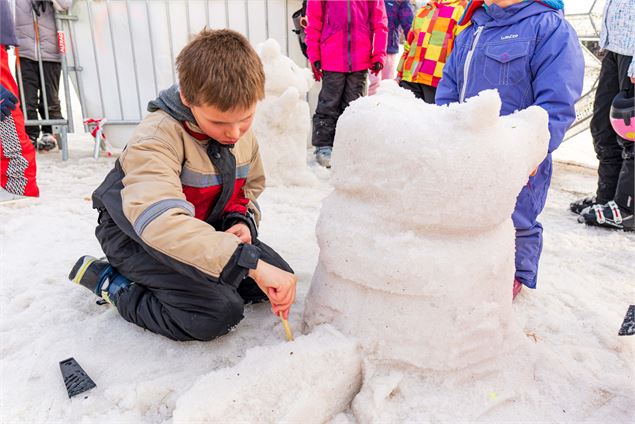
[417, 252]
[307, 381]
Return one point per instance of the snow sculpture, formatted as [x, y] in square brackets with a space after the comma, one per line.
[417, 251]
[282, 122]
[414, 277]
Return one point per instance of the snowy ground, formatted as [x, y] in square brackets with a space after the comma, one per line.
[586, 283]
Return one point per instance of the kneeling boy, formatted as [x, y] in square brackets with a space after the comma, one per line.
[178, 213]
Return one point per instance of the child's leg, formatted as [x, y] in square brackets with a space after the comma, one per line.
[328, 109]
[412, 86]
[607, 149]
[167, 303]
[31, 87]
[354, 88]
[529, 204]
[389, 67]
[429, 93]
[374, 81]
[421, 91]
[162, 300]
[388, 72]
[625, 187]
[52, 73]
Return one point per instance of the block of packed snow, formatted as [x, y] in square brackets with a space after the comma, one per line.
[416, 240]
[283, 123]
[309, 380]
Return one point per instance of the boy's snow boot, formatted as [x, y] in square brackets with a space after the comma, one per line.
[581, 204]
[323, 156]
[99, 277]
[609, 215]
[518, 286]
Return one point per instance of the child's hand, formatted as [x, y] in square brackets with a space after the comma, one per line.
[241, 231]
[277, 284]
[376, 68]
[316, 67]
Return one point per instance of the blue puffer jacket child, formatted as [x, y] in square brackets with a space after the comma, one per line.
[531, 55]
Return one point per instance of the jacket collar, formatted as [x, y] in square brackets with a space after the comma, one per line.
[496, 16]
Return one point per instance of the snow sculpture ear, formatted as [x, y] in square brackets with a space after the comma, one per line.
[482, 113]
[289, 98]
[270, 50]
[530, 130]
[281, 71]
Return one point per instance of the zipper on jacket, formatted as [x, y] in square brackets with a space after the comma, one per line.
[350, 60]
[468, 62]
[606, 23]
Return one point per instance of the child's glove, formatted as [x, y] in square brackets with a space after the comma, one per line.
[376, 68]
[7, 102]
[316, 67]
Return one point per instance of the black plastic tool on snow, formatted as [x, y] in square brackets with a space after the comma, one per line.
[75, 378]
[628, 326]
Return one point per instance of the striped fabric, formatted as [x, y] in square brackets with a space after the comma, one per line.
[430, 41]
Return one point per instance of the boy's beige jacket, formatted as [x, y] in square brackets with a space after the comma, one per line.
[160, 159]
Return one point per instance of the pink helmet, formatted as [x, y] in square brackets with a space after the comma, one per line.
[623, 114]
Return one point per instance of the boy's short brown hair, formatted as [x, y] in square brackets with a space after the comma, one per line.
[220, 68]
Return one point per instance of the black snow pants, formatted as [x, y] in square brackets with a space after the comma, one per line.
[421, 91]
[171, 304]
[34, 95]
[339, 89]
[615, 171]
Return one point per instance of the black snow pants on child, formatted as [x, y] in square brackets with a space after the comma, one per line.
[421, 91]
[339, 89]
[34, 93]
[615, 170]
[169, 303]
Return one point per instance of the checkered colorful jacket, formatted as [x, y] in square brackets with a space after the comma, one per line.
[430, 41]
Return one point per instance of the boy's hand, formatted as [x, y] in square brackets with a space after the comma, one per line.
[241, 231]
[316, 67]
[277, 284]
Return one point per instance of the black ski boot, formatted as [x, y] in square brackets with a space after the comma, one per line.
[87, 272]
[608, 216]
[99, 277]
[581, 204]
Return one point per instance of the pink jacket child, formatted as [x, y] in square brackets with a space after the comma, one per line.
[346, 35]
[345, 39]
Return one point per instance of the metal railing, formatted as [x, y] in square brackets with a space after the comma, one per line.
[587, 26]
[123, 51]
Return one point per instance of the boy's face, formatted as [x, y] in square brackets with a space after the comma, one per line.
[225, 127]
